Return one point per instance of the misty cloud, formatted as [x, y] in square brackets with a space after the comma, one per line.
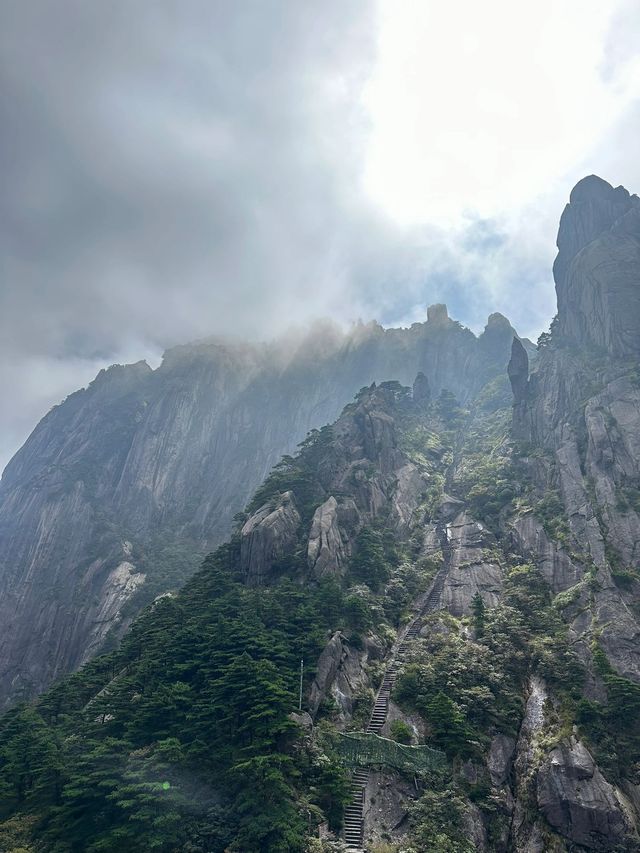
[172, 170]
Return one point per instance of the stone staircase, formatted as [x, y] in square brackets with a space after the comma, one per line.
[432, 599]
[354, 812]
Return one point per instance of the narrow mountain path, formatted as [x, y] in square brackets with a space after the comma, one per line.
[354, 812]
[427, 603]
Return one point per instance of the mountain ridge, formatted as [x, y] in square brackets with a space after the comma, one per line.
[149, 462]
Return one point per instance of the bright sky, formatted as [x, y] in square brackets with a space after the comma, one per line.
[478, 106]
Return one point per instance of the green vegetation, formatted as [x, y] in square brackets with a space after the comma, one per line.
[468, 689]
[612, 729]
[437, 822]
[401, 732]
[484, 475]
[297, 474]
[181, 739]
[550, 511]
[375, 554]
[188, 745]
[479, 614]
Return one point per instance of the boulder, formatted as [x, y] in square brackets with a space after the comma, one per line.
[577, 800]
[500, 759]
[327, 550]
[421, 389]
[267, 536]
[341, 673]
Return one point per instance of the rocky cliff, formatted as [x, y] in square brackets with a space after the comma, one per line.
[534, 526]
[124, 486]
[460, 577]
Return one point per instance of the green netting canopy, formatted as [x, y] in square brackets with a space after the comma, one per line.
[358, 749]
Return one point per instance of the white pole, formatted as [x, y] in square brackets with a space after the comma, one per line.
[301, 671]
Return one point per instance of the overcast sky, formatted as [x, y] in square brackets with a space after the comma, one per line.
[172, 169]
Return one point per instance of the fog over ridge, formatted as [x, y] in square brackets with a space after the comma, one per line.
[177, 170]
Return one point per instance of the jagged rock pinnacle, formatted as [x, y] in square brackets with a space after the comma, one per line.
[437, 314]
[518, 370]
[597, 270]
[421, 389]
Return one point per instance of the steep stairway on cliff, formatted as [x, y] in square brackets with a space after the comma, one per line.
[354, 812]
[432, 599]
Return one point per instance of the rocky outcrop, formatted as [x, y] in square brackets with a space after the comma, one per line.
[581, 413]
[437, 315]
[266, 537]
[341, 673]
[594, 206]
[421, 389]
[518, 371]
[597, 270]
[525, 834]
[409, 488]
[386, 812]
[579, 417]
[578, 802]
[556, 566]
[612, 463]
[500, 759]
[329, 541]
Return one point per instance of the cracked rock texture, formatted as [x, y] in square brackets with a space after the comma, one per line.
[267, 536]
[577, 801]
[473, 566]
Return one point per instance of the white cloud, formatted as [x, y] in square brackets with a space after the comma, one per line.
[178, 168]
[477, 107]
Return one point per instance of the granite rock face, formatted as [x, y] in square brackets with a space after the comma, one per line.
[582, 414]
[500, 759]
[474, 566]
[577, 801]
[266, 537]
[598, 267]
[421, 389]
[518, 370]
[329, 545]
[341, 673]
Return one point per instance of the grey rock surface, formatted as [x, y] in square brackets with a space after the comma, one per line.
[556, 566]
[597, 270]
[421, 389]
[518, 370]
[473, 566]
[341, 673]
[266, 537]
[326, 550]
[500, 759]
[577, 800]
[386, 813]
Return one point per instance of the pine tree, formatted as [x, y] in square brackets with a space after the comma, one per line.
[478, 610]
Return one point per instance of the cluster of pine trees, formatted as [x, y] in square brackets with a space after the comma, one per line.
[181, 739]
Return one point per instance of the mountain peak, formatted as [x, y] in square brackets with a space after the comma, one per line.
[593, 188]
[598, 267]
[437, 314]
